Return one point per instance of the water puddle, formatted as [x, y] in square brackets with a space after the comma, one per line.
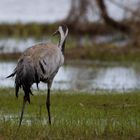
[118, 78]
[27, 119]
[10, 45]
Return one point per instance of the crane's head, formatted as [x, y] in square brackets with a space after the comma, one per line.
[63, 32]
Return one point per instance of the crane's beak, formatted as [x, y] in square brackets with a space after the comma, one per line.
[55, 33]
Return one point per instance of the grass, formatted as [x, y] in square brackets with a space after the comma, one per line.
[27, 30]
[75, 49]
[42, 29]
[108, 53]
[76, 116]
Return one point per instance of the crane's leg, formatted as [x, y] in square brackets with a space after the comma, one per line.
[48, 104]
[22, 111]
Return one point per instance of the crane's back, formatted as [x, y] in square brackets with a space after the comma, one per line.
[46, 58]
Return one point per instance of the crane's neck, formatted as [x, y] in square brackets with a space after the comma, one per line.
[62, 42]
[63, 47]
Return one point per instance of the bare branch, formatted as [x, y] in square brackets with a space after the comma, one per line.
[134, 13]
[108, 20]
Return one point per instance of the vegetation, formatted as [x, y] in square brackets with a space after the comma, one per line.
[108, 53]
[38, 30]
[26, 30]
[75, 116]
[104, 53]
[80, 25]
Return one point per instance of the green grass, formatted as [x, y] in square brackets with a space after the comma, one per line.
[74, 49]
[42, 29]
[74, 116]
[107, 53]
[27, 30]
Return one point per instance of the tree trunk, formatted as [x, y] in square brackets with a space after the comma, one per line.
[77, 14]
[108, 20]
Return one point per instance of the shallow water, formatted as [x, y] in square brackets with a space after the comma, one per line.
[118, 78]
[10, 45]
[18, 45]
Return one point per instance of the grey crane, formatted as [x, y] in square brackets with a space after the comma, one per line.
[38, 63]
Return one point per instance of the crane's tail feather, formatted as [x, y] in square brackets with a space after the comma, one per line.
[36, 78]
[16, 90]
[11, 75]
[25, 77]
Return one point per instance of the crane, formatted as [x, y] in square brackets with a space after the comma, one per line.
[39, 63]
